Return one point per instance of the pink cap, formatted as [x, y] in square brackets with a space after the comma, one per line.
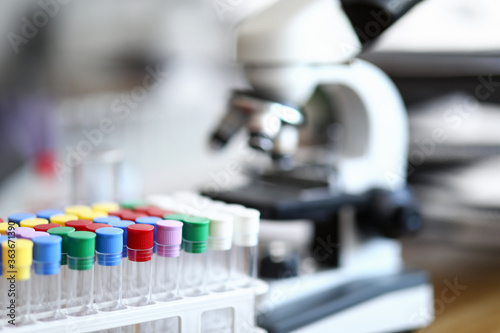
[22, 231]
[34, 234]
[168, 238]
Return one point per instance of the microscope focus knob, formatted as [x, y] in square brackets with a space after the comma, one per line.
[393, 213]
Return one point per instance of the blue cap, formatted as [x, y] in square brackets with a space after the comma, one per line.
[109, 246]
[47, 254]
[47, 213]
[122, 224]
[151, 220]
[2, 239]
[106, 219]
[18, 217]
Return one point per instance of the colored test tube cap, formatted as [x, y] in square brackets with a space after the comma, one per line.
[35, 234]
[4, 227]
[140, 242]
[63, 233]
[109, 246]
[62, 219]
[79, 225]
[22, 256]
[48, 213]
[91, 215]
[92, 227]
[169, 237]
[106, 219]
[18, 217]
[31, 223]
[195, 233]
[45, 227]
[106, 206]
[47, 255]
[81, 247]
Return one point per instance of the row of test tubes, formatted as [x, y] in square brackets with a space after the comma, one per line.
[89, 259]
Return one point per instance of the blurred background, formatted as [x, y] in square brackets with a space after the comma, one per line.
[117, 100]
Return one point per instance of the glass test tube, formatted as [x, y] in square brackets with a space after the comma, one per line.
[17, 257]
[140, 242]
[80, 279]
[219, 251]
[167, 260]
[46, 301]
[245, 246]
[108, 272]
[194, 258]
[3, 286]
[63, 270]
[123, 226]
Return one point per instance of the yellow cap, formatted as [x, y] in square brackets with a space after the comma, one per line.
[4, 226]
[106, 206]
[77, 210]
[31, 223]
[62, 219]
[91, 214]
[17, 256]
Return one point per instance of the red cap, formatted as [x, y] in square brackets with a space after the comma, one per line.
[1, 220]
[79, 225]
[158, 212]
[119, 212]
[140, 236]
[94, 226]
[131, 216]
[45, 227]
[143, 209]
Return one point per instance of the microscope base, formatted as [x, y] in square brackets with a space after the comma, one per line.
[394, 303]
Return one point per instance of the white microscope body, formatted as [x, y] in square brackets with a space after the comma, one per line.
[296, 45]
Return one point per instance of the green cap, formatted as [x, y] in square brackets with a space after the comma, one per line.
[81, 247]
[132, 204]
[177, 217]
[63, 232]
[195, 234]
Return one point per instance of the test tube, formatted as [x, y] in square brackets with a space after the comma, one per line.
[6, 226]
[106, 219]
[80, 280]
[140, 242]
[63, 233]
[3, 286]
[108, 291]
[17, 257]
[46, 279]
[79, 225]
[48, 213]
[245, 246]
[167, 260]
[62, 219]
[219, 251]
[194, 259]
[31, 223]
[123, 226]
[18, 217]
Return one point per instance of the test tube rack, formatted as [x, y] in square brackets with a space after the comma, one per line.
[189, 312]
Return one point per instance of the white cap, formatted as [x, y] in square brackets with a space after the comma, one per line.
[246, 226]
[220, 230]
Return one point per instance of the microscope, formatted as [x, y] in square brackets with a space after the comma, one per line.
[336, 130]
